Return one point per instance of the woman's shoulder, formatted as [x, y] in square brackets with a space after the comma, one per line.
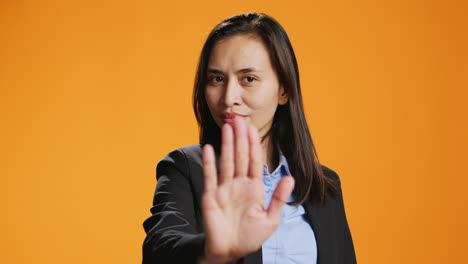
[331, 175]
[190, 151]
[185, 156]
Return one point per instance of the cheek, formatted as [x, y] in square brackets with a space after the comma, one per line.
[262, 111]
[265, 102]
[211, 99]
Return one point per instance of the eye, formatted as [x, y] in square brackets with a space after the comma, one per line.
[249, 79]
[216, 79]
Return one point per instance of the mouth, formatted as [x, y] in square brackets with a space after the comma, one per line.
[229, 117]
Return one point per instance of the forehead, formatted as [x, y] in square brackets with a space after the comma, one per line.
[239, 51]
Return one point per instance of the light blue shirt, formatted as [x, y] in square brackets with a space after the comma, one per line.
[294, 240]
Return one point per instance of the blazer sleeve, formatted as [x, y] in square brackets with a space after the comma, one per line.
[173, 232]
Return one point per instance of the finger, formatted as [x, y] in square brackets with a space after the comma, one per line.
[256, 160]
[280, 196]
[227, 155]
[209, 168]
[241, 147]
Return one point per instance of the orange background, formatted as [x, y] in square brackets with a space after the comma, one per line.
[95, 93]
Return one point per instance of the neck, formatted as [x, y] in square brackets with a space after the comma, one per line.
[270, 155]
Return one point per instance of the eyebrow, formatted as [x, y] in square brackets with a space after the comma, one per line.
[215, 71]
[245, 70]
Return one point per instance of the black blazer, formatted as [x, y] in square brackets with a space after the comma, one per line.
[175, 230]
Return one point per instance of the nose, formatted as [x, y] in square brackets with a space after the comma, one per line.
[232, 92]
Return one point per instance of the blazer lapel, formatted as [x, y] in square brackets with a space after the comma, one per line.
[321, 219]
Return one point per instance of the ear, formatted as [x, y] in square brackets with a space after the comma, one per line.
[282, 96]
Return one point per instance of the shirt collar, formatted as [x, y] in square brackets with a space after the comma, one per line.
[282, 169]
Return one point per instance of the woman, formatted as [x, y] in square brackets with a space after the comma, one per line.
[253, 191]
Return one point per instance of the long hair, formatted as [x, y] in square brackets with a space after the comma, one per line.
[289, 132]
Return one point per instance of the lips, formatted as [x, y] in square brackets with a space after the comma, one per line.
[229, 117]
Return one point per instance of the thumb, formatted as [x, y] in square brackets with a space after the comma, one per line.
[280, 196]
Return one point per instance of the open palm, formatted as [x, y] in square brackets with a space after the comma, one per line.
[234, 218]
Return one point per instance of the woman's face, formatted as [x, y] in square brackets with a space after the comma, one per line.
[242, 82]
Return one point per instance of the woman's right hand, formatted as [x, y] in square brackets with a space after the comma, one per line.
[234, 217]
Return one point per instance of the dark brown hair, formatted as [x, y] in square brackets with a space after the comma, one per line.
[289, 132]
